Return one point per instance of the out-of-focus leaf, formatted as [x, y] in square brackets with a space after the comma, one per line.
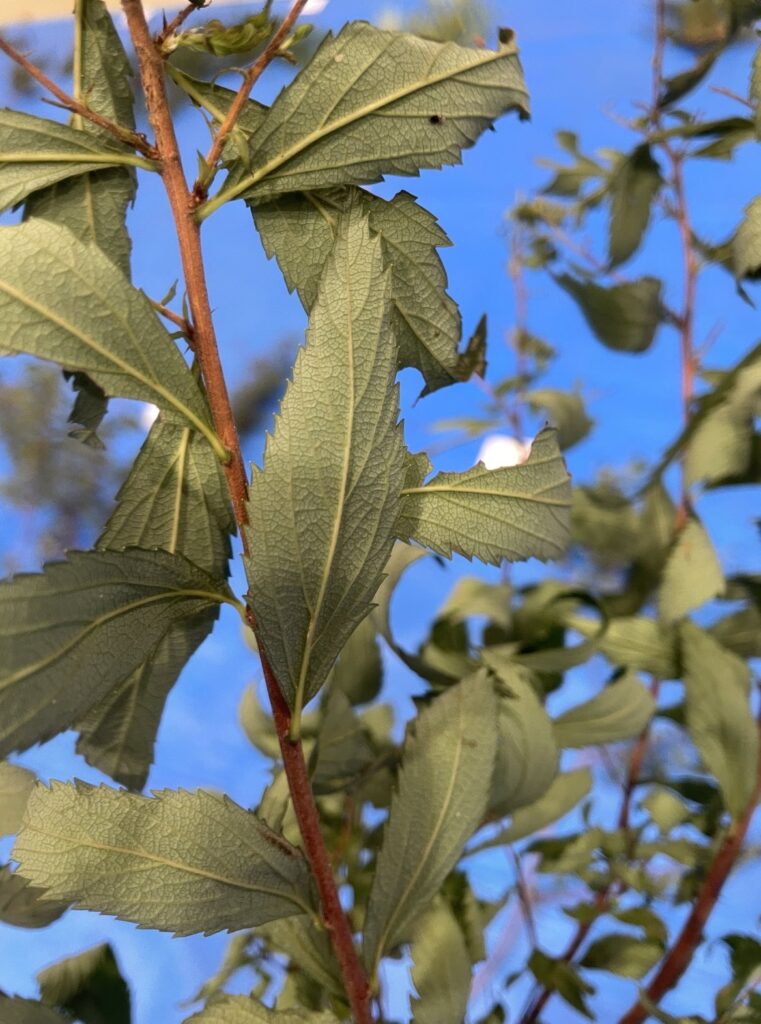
[565, 791]
[325, 566]
[634, 185]
[562, 978]
[244, 1010]
[627, 955]
[307, 946]
[677, 86]
[440, 969]
[746, 244]
[624, 317]
[740, 632]
[514, 513]
[88, 986]
[441, 797]
[692, 574]
[566, 413]
[372, 102]
[358, 673]
[619, 712]
[342, 749]
[471, 596]
[719, 719]
[23, 906]
[104, 609]
[527, 753]
[180, 862]
[26, 1011]
[16, 783]
[665, 808]
[634, 642]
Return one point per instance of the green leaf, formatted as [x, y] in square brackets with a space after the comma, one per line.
[309, 947]
[566, 412]
[299, 230]
[634, 642]
[634, 185]
[527, 754]
[372, 102]
[622, 954]
[244, 1010]
[619, 712]
[325, 566]
[90, 407]
[23, 906]
[719, 720]
[106, 610]
[94, 206]
[37, 153]
[342, 749]
[358, 673]
[16, 783]
[401, 558]
[564, 792]
[740, 632]
[441, 970]
[472, 596]
[65, 301]
[516, 512]
[666, 808]
[746, 244]
[175, 498]
[624, 317]
[692, 574]
[26, 1011]
[676, 87]
[441, 797]
[89, 986]
[177, 861]
[562, 978]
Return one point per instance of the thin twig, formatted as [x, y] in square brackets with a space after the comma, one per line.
[176, 23]
[679, 957]
[124, 135]
[250, 78]
[524, 896]
[179, 321]
[207, 355]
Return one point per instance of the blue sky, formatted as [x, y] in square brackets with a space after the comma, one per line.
[584, 63]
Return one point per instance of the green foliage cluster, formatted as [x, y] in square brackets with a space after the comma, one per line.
[336, 516]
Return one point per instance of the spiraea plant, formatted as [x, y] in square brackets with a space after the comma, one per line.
[365, 848]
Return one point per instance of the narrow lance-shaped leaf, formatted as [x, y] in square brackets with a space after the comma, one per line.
[719, 719]
[323, 509]
[65, 301]
[105, 610]
[442, 794]
[299, 230]
[372, 102]
[441, 970]
[634, 185]
[37, 153]
[16, 783]
[89, 986]
[516, 512]
[177, 861]
[244, 1010]
[175, 498]
[619, 712]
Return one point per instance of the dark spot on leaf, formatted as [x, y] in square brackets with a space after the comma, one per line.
[436, 119]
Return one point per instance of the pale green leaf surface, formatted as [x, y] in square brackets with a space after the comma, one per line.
[692, 574]
[299, 230]
[174, 498]
[342, 749]
[441, 971]
[746, 244]
[566, 412]
[634, 185]
[471, 596]
[722, 440]
[36, 153]
[106, 610]
[26, 1011]
[93, 206]
[258, 725]
[16, 783]
[633, 641]
[626, 955]
[440, 800]
[358, 673]
[177, 861]
[719, 719]
[372, 102]
[323, 509]
[564, 793]
[243, 1010]
[619, 712]
[527, 751]
[307, 946]
[24, 906]
[514, 513]
[624, 317]
[65, 301]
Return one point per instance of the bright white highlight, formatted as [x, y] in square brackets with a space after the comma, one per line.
[148, 415]
[500, 450]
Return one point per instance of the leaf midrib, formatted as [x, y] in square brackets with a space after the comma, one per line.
[335, 126]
